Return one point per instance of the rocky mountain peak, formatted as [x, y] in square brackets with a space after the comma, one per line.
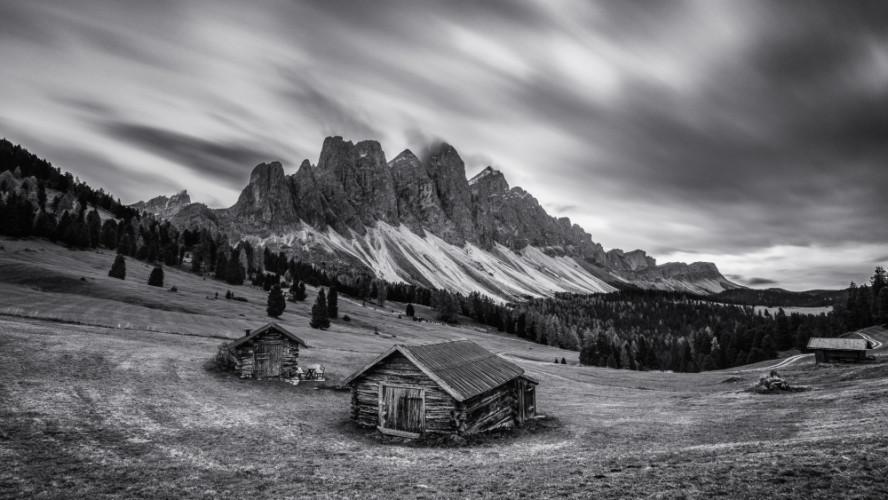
[266, 201]
[406, 159]
[491, 179]
[265, 174]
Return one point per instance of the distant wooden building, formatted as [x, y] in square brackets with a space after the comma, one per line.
[454, 387]
[838, 350]
[266, 352]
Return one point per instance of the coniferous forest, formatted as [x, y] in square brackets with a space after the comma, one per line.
[629, 329]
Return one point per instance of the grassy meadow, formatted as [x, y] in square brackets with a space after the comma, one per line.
[107, 391]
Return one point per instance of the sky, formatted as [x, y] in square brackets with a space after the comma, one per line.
[752, 134]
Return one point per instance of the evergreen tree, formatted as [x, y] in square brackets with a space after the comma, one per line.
[221, 266]
[276, 302]
[769, 350]
[156, 277]
[297, 292]
[333, 303]
[319, 318]
[94, 223]
[410, 311]
[118, 269]
[381, 292]
[878, 281]
[41, 194]
[863, 311]
[45, 225]
[234, 273]
[783, 331]
[447, 307]
[882, 305]
[109, 235]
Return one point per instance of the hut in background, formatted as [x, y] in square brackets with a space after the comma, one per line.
[838, 350]
[267, 352]
[455, 387]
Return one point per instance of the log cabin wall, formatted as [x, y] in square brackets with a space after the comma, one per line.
[242, 358]
[397, 370]
[494, 409]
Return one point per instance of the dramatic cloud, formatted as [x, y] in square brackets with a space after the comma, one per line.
[224, 163]
[760, 281]
[748, 133]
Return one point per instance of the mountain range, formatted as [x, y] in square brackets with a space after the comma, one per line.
[422, 221]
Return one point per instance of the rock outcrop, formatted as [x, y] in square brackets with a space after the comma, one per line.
[164, 207]
[353, 190]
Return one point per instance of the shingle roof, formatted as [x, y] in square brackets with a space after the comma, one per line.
[841, 344]
[264, 328]
[461, 367]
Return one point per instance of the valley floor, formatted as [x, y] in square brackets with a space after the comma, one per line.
[105, 393]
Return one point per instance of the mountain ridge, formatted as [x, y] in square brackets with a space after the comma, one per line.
[353, 203]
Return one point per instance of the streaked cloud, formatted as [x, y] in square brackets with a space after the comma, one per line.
[747, 133]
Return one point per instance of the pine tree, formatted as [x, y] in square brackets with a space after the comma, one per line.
[118, 269]
[333, 303]
[276, 302]
[319, 317]
[410, 311]
[156, 278]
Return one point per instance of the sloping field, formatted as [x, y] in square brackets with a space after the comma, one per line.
[132, 411]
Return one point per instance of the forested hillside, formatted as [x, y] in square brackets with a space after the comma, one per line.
[630, 329]
[777, 297]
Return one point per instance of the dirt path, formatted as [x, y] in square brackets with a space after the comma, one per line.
[875, 343]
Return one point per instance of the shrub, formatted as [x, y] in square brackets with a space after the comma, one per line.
[297, 292]
[346, 318]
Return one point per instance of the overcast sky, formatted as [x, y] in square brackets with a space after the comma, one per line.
[750, 134]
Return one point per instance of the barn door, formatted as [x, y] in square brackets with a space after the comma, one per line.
[402, 410]
[268, 358]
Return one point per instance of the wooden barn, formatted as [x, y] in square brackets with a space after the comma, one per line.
[455, 387]
[267, 352]
[838, 350]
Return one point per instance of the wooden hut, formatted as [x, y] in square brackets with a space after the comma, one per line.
[266, 352]
[454, 387]
[838, 350]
